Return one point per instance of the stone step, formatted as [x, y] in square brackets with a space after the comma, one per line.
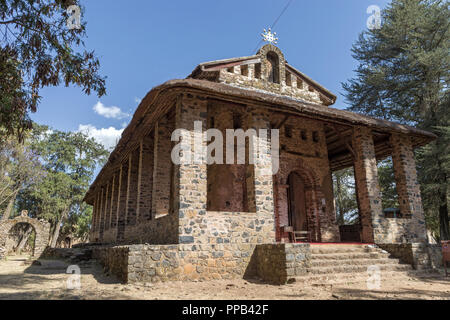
[352, 277]
[330, 249]
[352, 262]
[357, 268]
[348, 256]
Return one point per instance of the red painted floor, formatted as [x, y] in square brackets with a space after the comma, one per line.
[338, 243]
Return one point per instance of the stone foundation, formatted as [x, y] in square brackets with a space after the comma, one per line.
[150, 263]
[277, 263]
[273, 263]
[419, 255]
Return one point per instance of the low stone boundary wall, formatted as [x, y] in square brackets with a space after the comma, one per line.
[435, 252]
[114, 260]
[277, 263]
[160, 263]
[272, 263]
[419, 255]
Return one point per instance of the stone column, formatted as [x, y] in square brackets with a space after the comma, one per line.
[133, 187]
[101, 213]
[146, 181]
[115, 200]
[123, 199]
[107, 208]
[139, 182]
[162, 168]
[112, 202]
[97, 215]
[190, 180]
[408, 188]
[368, 190]
[94, 212]
[260, 175]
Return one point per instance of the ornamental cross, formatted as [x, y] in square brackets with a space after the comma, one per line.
[270, 36]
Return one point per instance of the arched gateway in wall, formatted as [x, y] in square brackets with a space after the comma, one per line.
[42, 229]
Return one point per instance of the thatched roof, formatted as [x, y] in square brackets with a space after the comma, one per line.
[162, 98]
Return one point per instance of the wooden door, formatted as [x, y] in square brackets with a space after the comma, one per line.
[297, 203]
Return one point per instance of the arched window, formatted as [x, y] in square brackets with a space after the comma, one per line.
[274, 67]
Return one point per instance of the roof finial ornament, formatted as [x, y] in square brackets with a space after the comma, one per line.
[270, 36]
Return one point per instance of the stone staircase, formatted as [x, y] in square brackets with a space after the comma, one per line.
[336, 264]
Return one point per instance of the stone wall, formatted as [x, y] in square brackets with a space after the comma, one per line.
[115, 260]
[150, 263]
[408, 189]
[435, 253]
[274, 263]
[304, 151]
[256, 76]
[419, 255]
[277, 263]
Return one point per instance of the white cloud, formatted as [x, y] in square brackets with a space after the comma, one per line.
[108, 137]
[110, 112]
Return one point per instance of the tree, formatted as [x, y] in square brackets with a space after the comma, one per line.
[70, 160]
[37, 50]
[388, 188]
[345, 195]
[403, 76]
[19, 168]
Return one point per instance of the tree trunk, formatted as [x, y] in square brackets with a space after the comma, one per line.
[24, 239]
[339, 201]
[10, 206]
[443, 218]
[55, 236]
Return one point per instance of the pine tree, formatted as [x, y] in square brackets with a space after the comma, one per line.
[403, 75]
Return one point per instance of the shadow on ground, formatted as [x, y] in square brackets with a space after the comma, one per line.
[47, 279]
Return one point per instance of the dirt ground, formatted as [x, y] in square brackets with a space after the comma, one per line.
[20, 280]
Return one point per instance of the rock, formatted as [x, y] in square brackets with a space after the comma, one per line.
[291, 281]
[36, 263]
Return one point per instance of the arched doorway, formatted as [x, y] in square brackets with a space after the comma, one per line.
[299, 200]
[41, 230]
[21, 240]
[297, 211]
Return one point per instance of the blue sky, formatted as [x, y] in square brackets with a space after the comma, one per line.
[144, 43]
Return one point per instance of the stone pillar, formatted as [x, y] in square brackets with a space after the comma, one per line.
[115, 200]
[133, 180]
[112, 202]
[146, 179]
[94, 212]
[122, 205]
[107, 207]
[101, 215]
[139, 181]
[368, 190]
[162, 168]
[260, 175]
[190, 180]
[97, 215]
[408, 188]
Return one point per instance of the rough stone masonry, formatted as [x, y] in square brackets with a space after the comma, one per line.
[159, 221]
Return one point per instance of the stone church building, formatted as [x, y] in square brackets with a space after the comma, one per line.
[212, 220]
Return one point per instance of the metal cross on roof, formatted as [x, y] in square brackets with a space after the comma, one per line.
[270, 36]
